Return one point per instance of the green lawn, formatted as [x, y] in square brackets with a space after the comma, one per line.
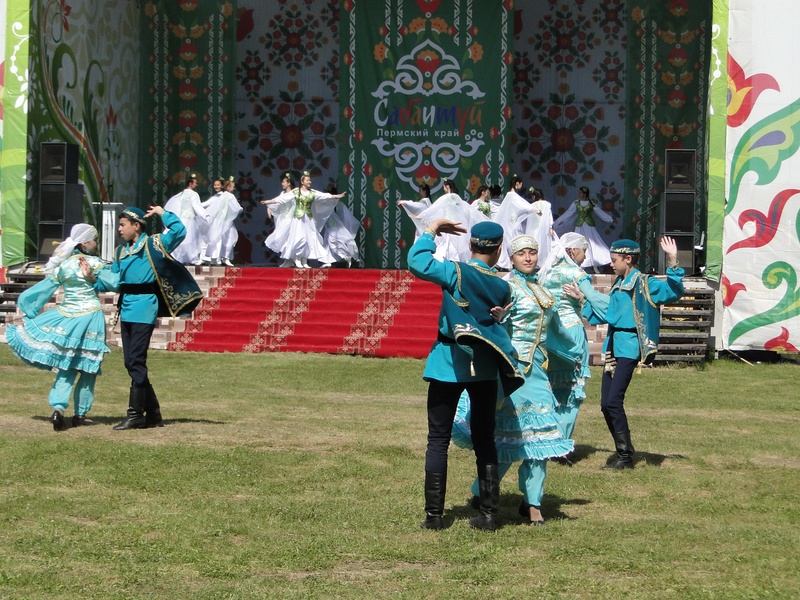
[300, 476]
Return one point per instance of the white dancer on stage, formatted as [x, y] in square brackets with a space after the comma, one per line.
[223, 208]
[187, 206]
[413, 208]
[300, 214]
[452, 207]
[581, 217]
[517, 217]
[339, 233]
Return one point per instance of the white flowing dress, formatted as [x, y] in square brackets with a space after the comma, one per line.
[187, 206]
[299, 219]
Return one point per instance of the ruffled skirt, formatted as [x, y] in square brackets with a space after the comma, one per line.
[526, 423]
[568, 375]
[298, 238]
[54, 341]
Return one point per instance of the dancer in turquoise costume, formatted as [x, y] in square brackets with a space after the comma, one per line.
[471, 353]
[526, 425]
[568, 365]
[631, 311]
[152, 284]
[71, 338]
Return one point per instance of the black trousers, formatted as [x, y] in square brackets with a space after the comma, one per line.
[612, 397]
[135, 341]
[442, 403]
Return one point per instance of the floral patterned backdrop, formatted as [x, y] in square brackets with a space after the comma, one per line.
[188, 95]
[668, 101]
[286, 107]
[569, 89]
[569, 102]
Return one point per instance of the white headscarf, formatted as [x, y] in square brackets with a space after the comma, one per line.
[80, 234]
[559, 251]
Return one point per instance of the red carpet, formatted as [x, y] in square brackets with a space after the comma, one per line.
[339, 311]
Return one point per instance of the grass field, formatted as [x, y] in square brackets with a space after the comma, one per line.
[300, 476]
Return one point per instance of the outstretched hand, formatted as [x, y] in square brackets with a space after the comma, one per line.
[670, 248]
[499, 312]
[440, 226]
[86, 269]
[154, 210]
[572, 290]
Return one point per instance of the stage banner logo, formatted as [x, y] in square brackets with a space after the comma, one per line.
[425, 97]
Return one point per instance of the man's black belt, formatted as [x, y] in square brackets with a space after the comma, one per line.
[624, 329]
[440, 337]
[138, 288]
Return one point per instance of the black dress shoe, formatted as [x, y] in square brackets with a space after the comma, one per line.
[537, 523]
[81, 421]
[432, 522]
[57, 419]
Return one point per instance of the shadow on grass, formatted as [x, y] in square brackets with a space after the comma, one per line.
[114, 420]
[655, 460]
[508, 512]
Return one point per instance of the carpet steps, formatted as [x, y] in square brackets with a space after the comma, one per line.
[314, 310]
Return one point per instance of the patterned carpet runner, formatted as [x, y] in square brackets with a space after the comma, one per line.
[365, 311]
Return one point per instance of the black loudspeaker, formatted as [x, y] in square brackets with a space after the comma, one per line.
[58, 163]
[60, 195]
[679, 205]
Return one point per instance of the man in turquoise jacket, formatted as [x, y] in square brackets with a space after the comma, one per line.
[470, 352]
[151, 284]
[633, 317]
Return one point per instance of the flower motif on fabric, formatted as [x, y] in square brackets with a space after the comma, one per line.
[294, 39]
[566, 39]
[562, 140]
[293, 133]
[252, 73]
[526, 75]
[611, 21]
[610, 75]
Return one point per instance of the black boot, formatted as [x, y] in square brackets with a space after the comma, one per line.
[624, 456]
[435, 489]
[135, 417]
[152, 409]
[489, 486]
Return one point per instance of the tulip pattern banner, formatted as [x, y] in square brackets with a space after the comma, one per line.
[669, 43]
[425, 95]
[188, 99]
[761, 232]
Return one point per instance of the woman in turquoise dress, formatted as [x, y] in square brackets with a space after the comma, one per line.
[526, 426]
[69, 339]
[568, 367]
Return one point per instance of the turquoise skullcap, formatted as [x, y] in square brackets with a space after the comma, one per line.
[522, 242]
[625, 247]
[486, 234]
[134, 213]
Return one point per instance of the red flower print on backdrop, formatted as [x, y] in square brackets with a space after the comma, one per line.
[66, 9]
[610, 74]
[565, 40]
[244, 23]
[293, 39]
[429, 6]
[294, 134]
[611, 21]
[562, 140]
[781, 342]
[251, 74]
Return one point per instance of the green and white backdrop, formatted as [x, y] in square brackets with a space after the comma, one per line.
[378, 97]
